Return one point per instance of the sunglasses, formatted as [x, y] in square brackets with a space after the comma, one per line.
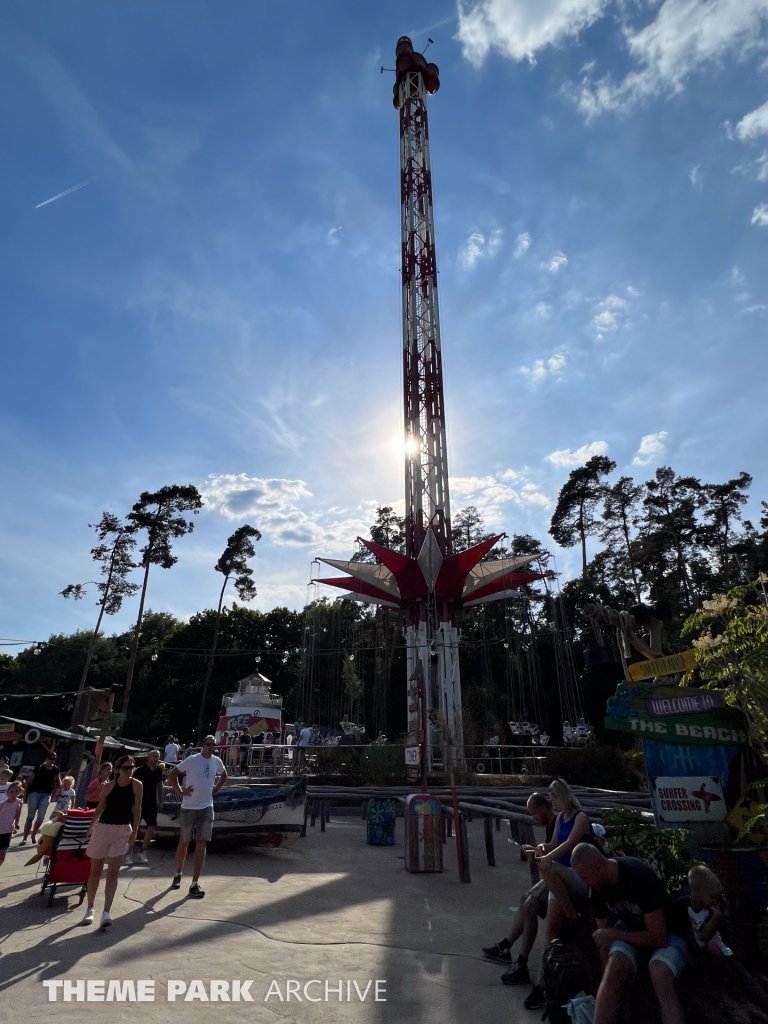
[127, 767]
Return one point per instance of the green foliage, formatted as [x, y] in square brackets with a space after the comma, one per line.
[388, 531]
[376, 766]
[663, 850]
[731, 642]
[233, 563]
[574, 517]
[597, 765]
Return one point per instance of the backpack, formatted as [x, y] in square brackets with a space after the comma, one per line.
[564, 978]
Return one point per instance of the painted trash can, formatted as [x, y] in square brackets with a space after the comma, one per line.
[423, 833]
[380, 820]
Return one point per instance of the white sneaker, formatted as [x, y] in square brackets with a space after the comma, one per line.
[142, 857]
[106, 920]
[128, 860]
[88, 919]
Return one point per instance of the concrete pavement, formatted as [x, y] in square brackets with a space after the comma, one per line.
[330, 909]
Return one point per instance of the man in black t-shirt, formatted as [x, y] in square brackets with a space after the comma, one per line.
[634, 925]
[532, 906]
[43, 784]
[150, 775]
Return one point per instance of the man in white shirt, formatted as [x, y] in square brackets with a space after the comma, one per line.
[171, 752]
[205, 774]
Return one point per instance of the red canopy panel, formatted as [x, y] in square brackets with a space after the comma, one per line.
[357, 586]
[406, 571]
[453, 572]
[509, 581]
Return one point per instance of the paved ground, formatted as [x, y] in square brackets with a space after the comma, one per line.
[330, 908]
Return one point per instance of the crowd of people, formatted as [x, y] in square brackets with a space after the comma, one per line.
[633, 921]
[121, 797]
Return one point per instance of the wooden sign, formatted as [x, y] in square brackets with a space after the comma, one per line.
[668, 666]
[694, 702]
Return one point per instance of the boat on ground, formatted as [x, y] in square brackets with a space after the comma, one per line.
[259, 814]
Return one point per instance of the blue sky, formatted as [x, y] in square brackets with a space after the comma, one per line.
[221, 305]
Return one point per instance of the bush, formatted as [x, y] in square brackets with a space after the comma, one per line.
[663, 850]
[598, 766]
[376, 766]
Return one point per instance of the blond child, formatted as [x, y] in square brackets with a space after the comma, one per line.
[66, 798]
[10, 812]
[706, 910]
[5, 780]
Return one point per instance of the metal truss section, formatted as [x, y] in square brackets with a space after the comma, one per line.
[427, 501]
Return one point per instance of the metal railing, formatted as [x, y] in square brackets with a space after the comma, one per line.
[256, 760]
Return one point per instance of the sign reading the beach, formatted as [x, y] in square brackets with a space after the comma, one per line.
[725, 726]
[671, 665]
[688, 798]
[686, 704]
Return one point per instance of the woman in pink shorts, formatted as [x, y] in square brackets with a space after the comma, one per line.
[112, 833]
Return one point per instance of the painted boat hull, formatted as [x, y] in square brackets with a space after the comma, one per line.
[261, 815]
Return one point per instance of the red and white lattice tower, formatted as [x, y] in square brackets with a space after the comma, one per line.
[431, 636]
[428, 581]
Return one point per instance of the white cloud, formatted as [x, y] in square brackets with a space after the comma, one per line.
[566, 457]
[275, 507]
[556, 261]
[694, 175]
[753, 124]
[609, 315]
[518, 30]
[685, 36]
[522, 245]
[651, 447]
[760, 215]
[478, 247]
[544, 368]
[543, 310]
[736, 276]
[489, 494]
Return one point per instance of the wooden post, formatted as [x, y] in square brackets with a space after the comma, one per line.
[461, 831]
[489, 851]
[461, 828]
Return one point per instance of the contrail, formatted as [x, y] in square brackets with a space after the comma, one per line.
[66, 193]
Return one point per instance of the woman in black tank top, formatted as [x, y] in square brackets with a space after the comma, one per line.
[112, 833]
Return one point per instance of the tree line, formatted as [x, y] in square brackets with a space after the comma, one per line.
[671, 538]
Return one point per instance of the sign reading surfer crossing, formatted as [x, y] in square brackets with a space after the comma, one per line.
[688, 798]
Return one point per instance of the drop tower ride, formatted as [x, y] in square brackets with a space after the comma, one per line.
[427, 581]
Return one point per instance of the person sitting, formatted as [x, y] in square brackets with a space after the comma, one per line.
[567, 733]
[635, 926]
[565, 888]
[533, 905]
[701, 915]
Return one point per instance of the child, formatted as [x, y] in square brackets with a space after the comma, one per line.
[706, 910]
[5, 780]
[66, 798]
[706, 913]
[10, 812]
